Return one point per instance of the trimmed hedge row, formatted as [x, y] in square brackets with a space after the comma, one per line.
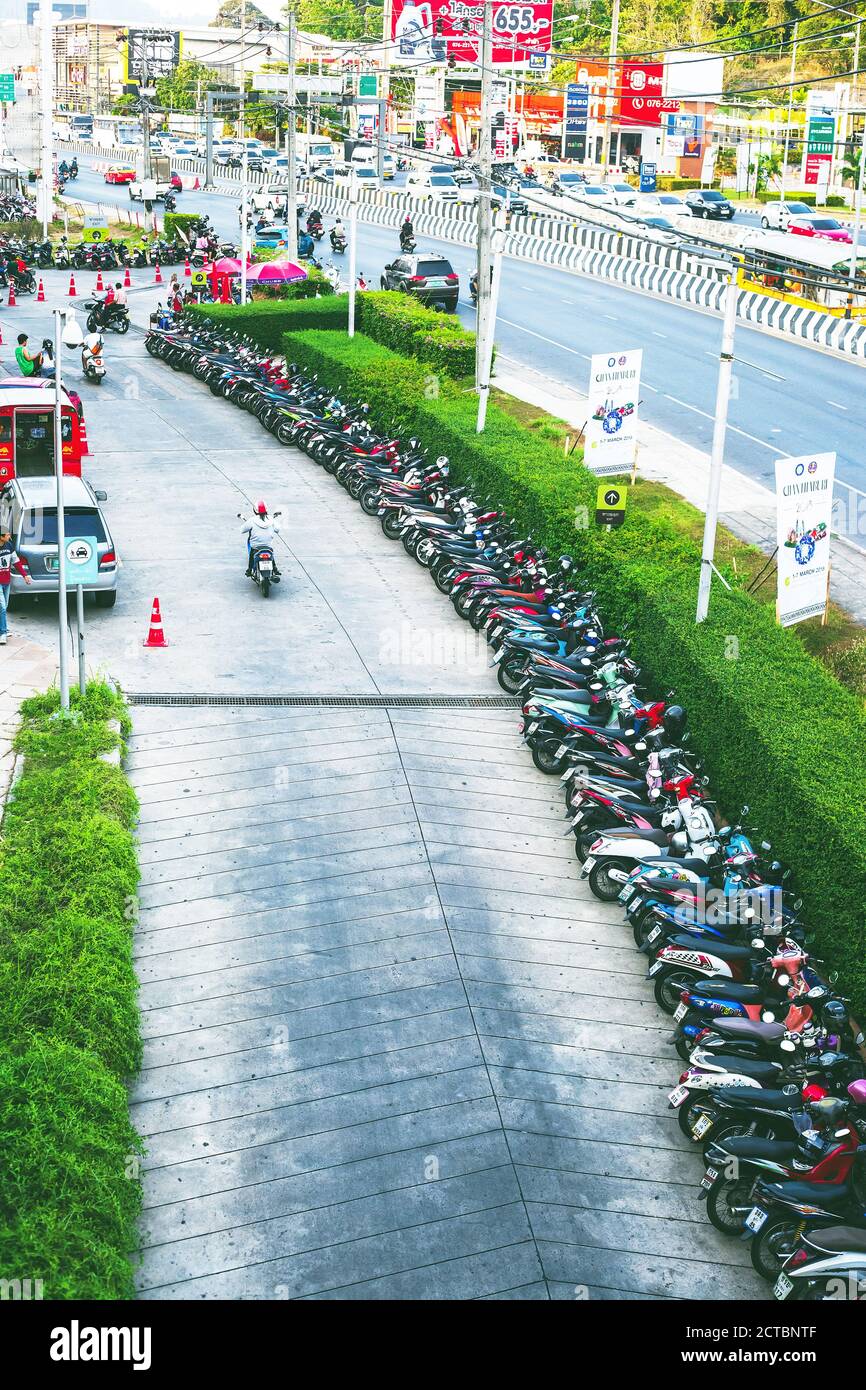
[774, 727]
[396, 320]
[768, 195]
[69, 1026]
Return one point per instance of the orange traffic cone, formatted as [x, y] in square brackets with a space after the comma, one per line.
[1, 337]
[71, 290]
[196, 185]
[127, 279]
[156, 636]
[12, 300]
[82, 434]
[100, 288]
[187, 269]
[40, 293]
[158, 278]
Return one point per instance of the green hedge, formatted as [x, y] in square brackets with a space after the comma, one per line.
[774, 727]
[768, 195]
[69, 1027]
[395, 320]
[175, 222]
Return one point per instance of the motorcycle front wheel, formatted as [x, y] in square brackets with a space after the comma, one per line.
[92, 323]
[669, 986]
[601, 885]
[772, 1247]
[728, 1205]
[544, 755]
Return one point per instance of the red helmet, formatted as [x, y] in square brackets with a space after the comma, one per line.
[261, 509]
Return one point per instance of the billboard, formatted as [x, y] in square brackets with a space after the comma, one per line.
[641, 101]
[610, 436]
[151, 56]
[426, 31]
[695, 76]
[804, 505]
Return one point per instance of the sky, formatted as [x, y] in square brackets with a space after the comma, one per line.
[195, 12]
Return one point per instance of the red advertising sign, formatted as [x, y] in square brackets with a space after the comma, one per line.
[641, 101]
[813, 175]
[430, 30]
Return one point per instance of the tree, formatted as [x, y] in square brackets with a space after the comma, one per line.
[339, 19]
[178, 91]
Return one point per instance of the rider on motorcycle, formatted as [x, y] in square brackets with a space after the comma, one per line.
[338, 232]
[63, 169]
[91, 347]
[261, 531]
[314, 221]
[407, 233]
[73, 168]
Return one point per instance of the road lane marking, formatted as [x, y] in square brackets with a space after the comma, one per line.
[687, 406]
[541, 337]
[658, 335]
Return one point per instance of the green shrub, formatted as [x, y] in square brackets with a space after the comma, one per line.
[848, 665]
[769, 195]
[671, 183]
[266, 319]
[395, 320]
[834, 200]
[180, 222]
[70, 1198]
[69, 1025]
[775, 729]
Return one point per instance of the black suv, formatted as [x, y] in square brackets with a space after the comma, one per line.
[708, 202]
[428, 277]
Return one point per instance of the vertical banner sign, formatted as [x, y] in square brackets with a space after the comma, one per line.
[610, 437]
[576, 111]
[647, 177]
[430, 30]
[804, 506]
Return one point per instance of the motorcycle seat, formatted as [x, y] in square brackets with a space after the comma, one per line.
[723, 949]
[656, 837]
[765, 1099]
[838, 1240]
[828, 1194]
[727, 989]
[750, 1030]
[765, 1073]
[688, 865]
[750, 1146]
[563, 693]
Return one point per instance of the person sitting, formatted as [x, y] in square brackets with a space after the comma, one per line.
[314, 220]
[338, 231]
[63, 169]
[407, 233]
[30, 363]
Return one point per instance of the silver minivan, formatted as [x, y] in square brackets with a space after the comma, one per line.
[28, 511]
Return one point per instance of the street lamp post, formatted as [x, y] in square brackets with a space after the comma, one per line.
[720, 424]
[70, 336]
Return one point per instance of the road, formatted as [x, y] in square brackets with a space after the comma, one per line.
[787, 399]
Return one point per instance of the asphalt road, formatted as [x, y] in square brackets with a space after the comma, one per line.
[787, 399]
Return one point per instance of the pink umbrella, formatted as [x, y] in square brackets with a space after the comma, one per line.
[229, 265]
[277, 271]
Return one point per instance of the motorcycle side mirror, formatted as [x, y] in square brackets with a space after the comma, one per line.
[783, 980]
[757, 944]
[100, 495]
[833, 977]
[744, 812]
[785, 1046]
[725, 830]
[765, 845]
[585, 661]
[640, 746]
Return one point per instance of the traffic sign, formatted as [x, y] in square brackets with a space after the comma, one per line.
[198, 279]
[7, 86]
[610, 504]
[647, 177]
[82, 558]
[94, 234]
[95, 219]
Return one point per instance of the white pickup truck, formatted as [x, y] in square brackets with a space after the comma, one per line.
[149, 190]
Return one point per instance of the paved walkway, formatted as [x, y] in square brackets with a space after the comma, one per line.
[394, 1048]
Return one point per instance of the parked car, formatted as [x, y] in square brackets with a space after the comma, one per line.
[654, 229]
[826, 227]
[29, 508]
[501, 193]
[427, 277]
[778, 215]
[120, 173]
[367, 176]
[708, 202]
[622, 192]
[567, 180]
[424, 184]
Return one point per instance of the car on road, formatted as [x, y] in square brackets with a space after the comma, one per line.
[659, 205]
[424, 184]
[501, 193]
[826, 227]
[778, 215]
[594, 194]
[367, 155]
[622, 192]
[655, 229]
[366, 176]
[708, 202]
[120, 173]
[425, 276]
[568, 180]
[29, 509]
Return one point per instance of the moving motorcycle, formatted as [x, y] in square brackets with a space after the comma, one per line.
[101, 315]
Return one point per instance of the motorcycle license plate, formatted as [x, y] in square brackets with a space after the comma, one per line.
[578, 818]
[567, 775]
[627, 894]
[678, 1096]
[588, 863]
[497, 656]
[782, 1287]
[709, 1178]
[654, 935]
[701, 1125]
[756, 1218]
[680, 1012]
[265, 567]
[381, 511]
[533, 726]
[562, 749]
[654, 968]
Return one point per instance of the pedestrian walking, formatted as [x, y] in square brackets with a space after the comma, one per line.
[8, 561]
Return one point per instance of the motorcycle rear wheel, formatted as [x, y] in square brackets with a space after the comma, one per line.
[728, 1205]
[510, 675]
[601, 885]
[544, 755]
[369, 500]
[771, 1247]
[668, 987]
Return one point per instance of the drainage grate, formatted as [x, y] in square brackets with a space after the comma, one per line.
[332, 701]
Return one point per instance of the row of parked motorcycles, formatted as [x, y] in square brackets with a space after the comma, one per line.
[773, 1089]
[14, 207]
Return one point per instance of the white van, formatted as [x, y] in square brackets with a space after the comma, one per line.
[366, 154]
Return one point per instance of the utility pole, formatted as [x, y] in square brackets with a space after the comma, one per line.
[790, 109]
[720, 424]
[858, 212]
[145, 108]
[485, 211]
[291, 132]
[487, 346]
[611, 88]
[353, 248]
[46, 183]
[245, 231]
